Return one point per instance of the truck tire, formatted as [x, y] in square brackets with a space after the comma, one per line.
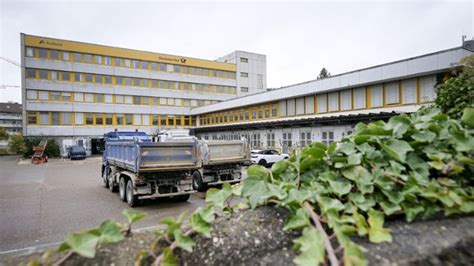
[132, 199]
[122, 188]
[263, 163]
[198, 184]
[183, 198]
[104, 177]
[112, 186]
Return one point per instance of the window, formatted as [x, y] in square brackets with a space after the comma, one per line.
[32, 118]
[88, 77]
[87, 58]
[205, 72]
[327, 137]
[79, 118]
[154, 66]
[144, 65]
[66, 119]
[66, 96]
[244, 74]
[333, 101]
[129, 119]
[305, 138]
[30, 52]
[64, 76]
[54, 96]
[136, 99]
[177, 68]
[127, 81]
[287, 141]
[89, 119]
[54, 75]
[108, 79]
[244, 60]
[136, 64]
[392, 93]
[118, 62]
[119, 99]
[99, 79]
[97, 59]
[107, 60]
[65, 56]
[43, 74]
[55, 118]
[244, 89]
[154, 83]
[77, 77]
[136, 82]
[376, 96]
[44, 118]
[127, 62]
[409, 91]
[54, 54]
[120, 119]
[77, 57]
[270, 140]
[31, 95]
[359, 98]
[99, 98]
[346, 100]
[43, 53]
[162, 67]
[30, 73]
[99, 119]
[108, 119]
[89, 97]
[78, 96]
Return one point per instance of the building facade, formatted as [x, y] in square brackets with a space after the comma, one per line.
[11, 117]
[77, 91]
[328, 109]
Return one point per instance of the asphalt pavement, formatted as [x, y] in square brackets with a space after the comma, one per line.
[41, 204]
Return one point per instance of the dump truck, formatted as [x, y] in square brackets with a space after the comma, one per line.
[222, 160]
[140, 169]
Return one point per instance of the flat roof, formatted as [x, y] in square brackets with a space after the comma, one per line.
[98, 49]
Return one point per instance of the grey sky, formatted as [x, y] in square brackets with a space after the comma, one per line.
[298, 38]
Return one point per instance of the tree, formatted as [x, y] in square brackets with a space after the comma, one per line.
[3, 134]
[457, 92]
[16, 144]
[324, 73]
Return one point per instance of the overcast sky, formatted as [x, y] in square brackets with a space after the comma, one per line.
[298, 38]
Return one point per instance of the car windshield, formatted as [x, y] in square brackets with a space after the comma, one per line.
[77, 149]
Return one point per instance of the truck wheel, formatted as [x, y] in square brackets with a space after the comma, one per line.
[183, 198]
[198, 184]
[122, 188]
[104, 178]
[263, 163]
[112, 186]
[132, 199]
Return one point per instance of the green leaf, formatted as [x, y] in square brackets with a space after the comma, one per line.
[132, 215]
[468, 117]
[340, 186]
[361, 224]
[217, 197]
[255, 190]
[390, 208]
[201, 219]
[399, 124]
[168, 258]
[347, 148]
[182, 241]
[397, 149]
[377, 233]
[172, 224]
[353, 255]
[298, 220]
[328, 204]
[280, 167]
[259, 171]
[311, 246]
[84, 243]
[110, 232]
[424, 136]
[354, 159]
[296, 196]
[315, 152]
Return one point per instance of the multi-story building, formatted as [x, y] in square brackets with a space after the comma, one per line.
[10, 117]
[77, 91]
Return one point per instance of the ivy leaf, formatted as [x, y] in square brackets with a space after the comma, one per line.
[133, 216]
[396, 149]
[340, 186]
[468, 117]
[424, 136]
[390, 208]
[168, 258]
[256, 190]
[412, 210]
[377, 233]
[84, 243]
[110, 232]
[347, 148]
[353, 255]
[172, 224]
[361, 224]
[217, 197]
[280, 167]
[329, 204]
[201, 219]
[182, 241]
[296, 196]
[315, 152]
[354, 159]
[259, 171]
[311, 246]
[298, 220]
[399, 125]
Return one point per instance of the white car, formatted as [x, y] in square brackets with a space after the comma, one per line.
[267, 157]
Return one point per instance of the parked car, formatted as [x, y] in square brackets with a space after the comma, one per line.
[267, 157]
[77, 152]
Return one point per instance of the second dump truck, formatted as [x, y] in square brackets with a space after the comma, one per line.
[141, 169]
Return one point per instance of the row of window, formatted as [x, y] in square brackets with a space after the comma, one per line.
[107, 119]
[61, 96]
[267, 111]
[126, 81]
[396, 93]
[52, 54]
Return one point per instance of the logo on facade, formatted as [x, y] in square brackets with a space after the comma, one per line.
[183, 60]
[50, 43]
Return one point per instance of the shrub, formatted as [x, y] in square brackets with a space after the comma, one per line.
[16, 144]
[3, 134]
[52, 148]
